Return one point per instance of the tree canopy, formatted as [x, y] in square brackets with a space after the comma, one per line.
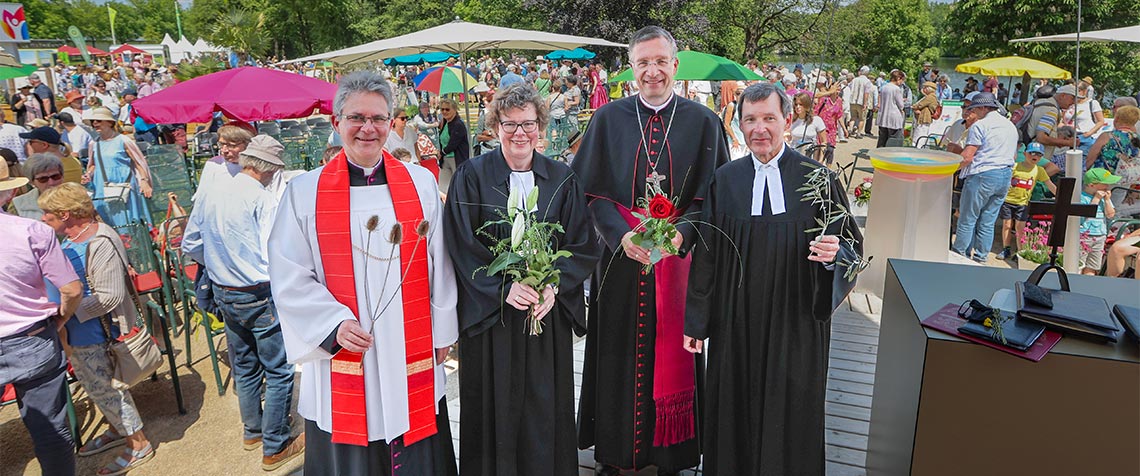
[882, 33]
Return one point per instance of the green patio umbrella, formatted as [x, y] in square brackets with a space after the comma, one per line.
[9, 72]
[697, 66]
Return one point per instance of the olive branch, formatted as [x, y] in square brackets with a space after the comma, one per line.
[817, 190]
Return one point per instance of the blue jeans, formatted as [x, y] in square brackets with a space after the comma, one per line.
[982, 196]
[35, 365]
[257, 352]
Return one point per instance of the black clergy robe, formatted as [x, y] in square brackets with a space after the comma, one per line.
[767, 315]
[516, 390]
[617, 409]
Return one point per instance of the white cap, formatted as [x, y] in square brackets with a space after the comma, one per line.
[790, 78]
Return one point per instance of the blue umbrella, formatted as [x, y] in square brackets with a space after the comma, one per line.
[574, 54]
[431, 58]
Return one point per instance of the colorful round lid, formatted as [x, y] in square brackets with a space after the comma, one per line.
[909, 160]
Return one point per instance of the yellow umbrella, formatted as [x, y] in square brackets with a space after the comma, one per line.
[1013, 66]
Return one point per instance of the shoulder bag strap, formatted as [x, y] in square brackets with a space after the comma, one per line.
[126, 276]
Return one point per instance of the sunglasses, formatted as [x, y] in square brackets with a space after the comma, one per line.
[49, 178]
[444, 109]
[402, 118]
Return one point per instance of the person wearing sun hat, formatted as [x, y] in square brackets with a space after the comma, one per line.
[986, 171]
[74, 107]
[115, 159]
[1094, 230]
[25, 105]
[229, 234]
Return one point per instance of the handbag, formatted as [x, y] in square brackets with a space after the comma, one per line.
[134, 356]
[117, 190]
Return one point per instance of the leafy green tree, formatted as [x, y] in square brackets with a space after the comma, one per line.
[983, 28]
[891, 34]
[242, 31]
[764, 26]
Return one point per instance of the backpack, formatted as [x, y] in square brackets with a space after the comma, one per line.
[1021, 119]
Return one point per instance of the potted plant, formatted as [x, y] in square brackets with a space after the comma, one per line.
[1033, 247]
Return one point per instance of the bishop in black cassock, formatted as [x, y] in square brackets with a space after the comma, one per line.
[765, 307]
[626, 142]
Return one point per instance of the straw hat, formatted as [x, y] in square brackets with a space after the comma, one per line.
[99, 114]
[8, 182]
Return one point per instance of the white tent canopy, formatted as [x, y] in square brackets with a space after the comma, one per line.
[456, 37]
[1126, 34]
[201, 46]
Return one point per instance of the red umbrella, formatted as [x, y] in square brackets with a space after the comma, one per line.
[248, 93]
[128, 49]
[71, 50]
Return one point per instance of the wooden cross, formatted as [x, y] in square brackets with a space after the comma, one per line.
[1061, 210]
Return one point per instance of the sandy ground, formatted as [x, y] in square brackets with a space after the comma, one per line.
[207, 439]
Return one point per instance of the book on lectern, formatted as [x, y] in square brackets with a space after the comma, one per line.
[1071, 312]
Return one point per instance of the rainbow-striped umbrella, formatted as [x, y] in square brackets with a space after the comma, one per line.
[444, 80]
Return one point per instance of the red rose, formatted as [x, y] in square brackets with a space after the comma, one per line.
[858, 192]
[660, 207]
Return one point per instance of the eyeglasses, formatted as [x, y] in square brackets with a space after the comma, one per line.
[358, 120]
[49, 178]
[511, 127]
[402, 118]
[229, 145]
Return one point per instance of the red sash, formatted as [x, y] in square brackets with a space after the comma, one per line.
[333, 223]
[674, 369]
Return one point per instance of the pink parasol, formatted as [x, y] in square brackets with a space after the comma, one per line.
[247, 93]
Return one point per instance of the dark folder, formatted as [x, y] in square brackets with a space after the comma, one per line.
[1018, 333]
[1130, 317]
[1072, 312]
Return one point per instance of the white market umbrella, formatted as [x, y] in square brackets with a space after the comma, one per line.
[457, 37]
[1126, 34]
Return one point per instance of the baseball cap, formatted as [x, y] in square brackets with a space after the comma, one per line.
[1099, 175]
[1067, 89]
[265, 148]
[1035, 148]
[45, 134]
[799, 66]
[790, 78]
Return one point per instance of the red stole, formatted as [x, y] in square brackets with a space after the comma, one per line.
[674, 369]
[334, 238]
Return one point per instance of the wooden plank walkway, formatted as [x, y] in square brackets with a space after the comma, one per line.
[850, 381]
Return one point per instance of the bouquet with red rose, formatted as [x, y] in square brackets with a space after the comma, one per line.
[863, 192]
[658, 225]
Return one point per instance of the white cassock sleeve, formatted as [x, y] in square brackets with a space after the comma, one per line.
[307, 310]
[444, 295]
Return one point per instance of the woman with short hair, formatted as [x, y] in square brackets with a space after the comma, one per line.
[44, 171]
[520, 387]
[106, 312]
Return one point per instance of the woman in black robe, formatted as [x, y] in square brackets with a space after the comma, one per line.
[516, 389]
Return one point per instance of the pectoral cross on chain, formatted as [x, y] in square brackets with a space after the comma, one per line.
[655, 178]
[1061, 210]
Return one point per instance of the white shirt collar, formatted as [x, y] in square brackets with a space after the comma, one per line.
[656, 108]
[774, 163]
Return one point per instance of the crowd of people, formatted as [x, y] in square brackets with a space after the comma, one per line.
[289, 261]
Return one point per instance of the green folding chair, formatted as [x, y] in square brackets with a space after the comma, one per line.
[153, 280]
[184, 272]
